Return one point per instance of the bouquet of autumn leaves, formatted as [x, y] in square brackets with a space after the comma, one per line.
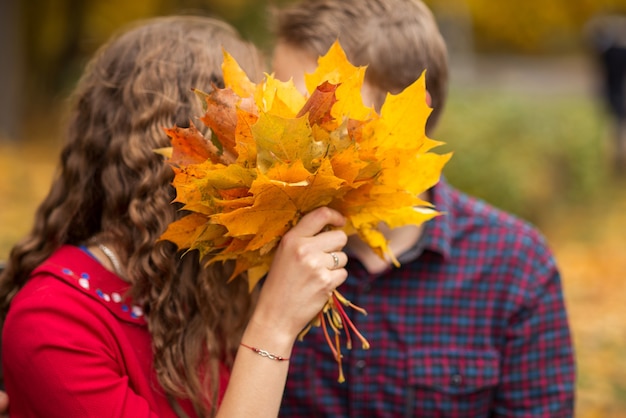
[274, 154]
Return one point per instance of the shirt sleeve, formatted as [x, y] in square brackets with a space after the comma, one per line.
[538, 372]
[61, 359]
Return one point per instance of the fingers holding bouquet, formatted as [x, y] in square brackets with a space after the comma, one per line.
[307, 268]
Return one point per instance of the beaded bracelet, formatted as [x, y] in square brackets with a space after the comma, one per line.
[264, 353]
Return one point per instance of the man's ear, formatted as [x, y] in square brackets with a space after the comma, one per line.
[429, 100]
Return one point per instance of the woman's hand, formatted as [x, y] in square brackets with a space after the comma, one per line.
[307, 268]
[302, 277]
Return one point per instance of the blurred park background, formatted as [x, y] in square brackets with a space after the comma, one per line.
[526, 118]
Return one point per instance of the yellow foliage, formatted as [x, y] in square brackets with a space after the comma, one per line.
[282, 155]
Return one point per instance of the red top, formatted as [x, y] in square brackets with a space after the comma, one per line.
[74, 345]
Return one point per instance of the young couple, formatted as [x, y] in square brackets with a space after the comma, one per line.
[101, 318]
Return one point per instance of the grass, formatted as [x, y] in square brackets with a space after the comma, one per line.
[26, 171]
[543, 157]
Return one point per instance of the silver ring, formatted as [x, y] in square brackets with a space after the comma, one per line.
[335, 260]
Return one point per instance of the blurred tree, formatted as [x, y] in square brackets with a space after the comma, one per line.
[58, 35]
[531, 26]
[11, 70]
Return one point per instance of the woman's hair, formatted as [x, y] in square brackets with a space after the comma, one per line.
[112, 187]
[396, 39]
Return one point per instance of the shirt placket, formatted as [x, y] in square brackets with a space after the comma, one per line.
[357, 360]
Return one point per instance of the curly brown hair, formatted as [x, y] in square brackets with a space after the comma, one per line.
[112, 187]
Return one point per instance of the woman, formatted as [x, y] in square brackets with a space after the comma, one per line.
[100, 317]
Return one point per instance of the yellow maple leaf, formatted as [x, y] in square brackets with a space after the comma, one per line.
[185, 232]
[235, 77]
[284, 140]
[335, 68]
[280, 98]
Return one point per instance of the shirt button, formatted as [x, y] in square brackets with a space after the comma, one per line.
[360, 366]
[457, 379]
[367, 288]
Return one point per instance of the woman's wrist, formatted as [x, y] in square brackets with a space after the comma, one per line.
[269, 338]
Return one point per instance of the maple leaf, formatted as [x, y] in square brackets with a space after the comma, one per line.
[335, 68]
[189, 146]
[222, 117]
[273, 155]
[319, 106]
[281, 98]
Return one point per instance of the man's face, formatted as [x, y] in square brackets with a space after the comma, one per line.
[290, 62]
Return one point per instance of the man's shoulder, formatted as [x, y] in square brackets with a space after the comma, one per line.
[469, 208]
[500, 246]
[473, 217]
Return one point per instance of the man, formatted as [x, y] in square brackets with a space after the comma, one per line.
[473, 323]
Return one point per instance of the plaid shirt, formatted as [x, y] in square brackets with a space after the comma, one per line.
[472, 324]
